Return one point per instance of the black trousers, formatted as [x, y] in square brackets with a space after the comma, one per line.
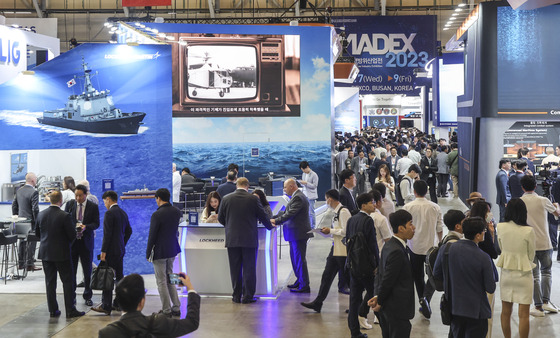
[80, 252]
[243, 272]
[553, 230]
[503, 212]
[64, 270]
[393, 327]
[334, 265]
[443, 179]
[107, 296]
[464, 327]
[29, 247]
[298, 251]
[357, 287]
[432, 185]
[422, 288]
[400, 200]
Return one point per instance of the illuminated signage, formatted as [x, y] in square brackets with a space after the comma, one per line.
[10, 52]
[469, 21]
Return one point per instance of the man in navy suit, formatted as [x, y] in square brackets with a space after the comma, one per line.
[394, 284]
[239, 213]
[116, 233]
[163, 242]
[470, 277]
[530, 165]
[85, 214]
[502, 188]
[348, 180]
[296, 225]
[514, 181]
[56, 230]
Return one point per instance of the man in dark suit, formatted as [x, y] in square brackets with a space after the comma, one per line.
[229, 186]
[514, 181]
[26, 204]
[394, 285]
[346, 192]
[116, 232]
[239, 213]
[85, 215]
[429, 166]
[296, 225]
[530, 165]
[471, 276]
[132, 297]
[361, 222]
[163, 243]
[502, 188]
[393, 160]
[56, 230]
[359, 167]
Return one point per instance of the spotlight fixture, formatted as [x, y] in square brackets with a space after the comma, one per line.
[452, 18]
[458, 9]
[462, 4]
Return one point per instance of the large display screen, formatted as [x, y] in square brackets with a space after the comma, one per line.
[236, 75]
[528, 59]
[451, 85]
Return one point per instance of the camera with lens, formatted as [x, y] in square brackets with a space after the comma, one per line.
[547, 177]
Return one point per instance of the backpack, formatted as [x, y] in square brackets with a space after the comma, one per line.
[359, 260]
[431, 257]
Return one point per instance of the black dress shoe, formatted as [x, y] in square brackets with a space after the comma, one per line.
[249, 300]
[425, 309]
[313, 306]
[80, 284]
[302, 290]
[345, 291]
[293, 286]
[89, 302]
[176, 313]
[116, 308]
[75, 313]
[361, 335]
[55, 314]
[236, 300]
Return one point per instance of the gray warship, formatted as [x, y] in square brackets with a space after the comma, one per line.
[93, 112]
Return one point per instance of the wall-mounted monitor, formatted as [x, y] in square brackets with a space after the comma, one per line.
[236, 75]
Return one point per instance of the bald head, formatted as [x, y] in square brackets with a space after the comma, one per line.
[290, 186]
[31, 179]
[549, 150]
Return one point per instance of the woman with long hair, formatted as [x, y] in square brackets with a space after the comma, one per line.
[517, 242]
[211, 208]
[384, 176]
[68, 188]
[262, 197]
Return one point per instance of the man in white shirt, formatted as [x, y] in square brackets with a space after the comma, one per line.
[176, 185]
[337, 256]
[427, 217]
[401, 169]
[537, 216]
[310, 182]
[550, 158]
[387, 205]
[414, 156]
[406, 185]
[382, 229]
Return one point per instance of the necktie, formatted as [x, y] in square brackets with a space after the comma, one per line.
[80, 213]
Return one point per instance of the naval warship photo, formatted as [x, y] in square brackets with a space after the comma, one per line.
[93, 112]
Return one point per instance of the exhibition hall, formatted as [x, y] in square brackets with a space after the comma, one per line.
[279, 168]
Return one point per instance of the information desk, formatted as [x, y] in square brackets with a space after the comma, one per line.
[204, 258]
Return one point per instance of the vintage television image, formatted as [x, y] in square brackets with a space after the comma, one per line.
[236, 75]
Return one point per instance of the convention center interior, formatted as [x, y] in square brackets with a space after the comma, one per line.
[279, 168]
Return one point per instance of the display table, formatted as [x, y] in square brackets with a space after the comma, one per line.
[204, 258]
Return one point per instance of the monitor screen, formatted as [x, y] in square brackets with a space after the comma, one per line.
[221, 72]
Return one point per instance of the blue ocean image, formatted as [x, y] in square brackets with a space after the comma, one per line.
[206, 160]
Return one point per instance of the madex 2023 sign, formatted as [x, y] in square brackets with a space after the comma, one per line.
[387, 49]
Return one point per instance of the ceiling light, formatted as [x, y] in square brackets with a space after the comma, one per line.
[462, 4]
[452, 18]
[458, 9]
[446, 29]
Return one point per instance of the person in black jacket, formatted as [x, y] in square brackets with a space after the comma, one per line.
[429, 166]
[348, 180]
[132, 297]
[85, 214]
[239, 213]
[162, 247]
[56, 230]
[361, 222]
[116, 233]
[394, 285]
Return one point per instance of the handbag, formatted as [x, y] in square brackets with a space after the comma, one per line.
[102, 277]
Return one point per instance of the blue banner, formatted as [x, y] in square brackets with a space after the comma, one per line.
[387, 49]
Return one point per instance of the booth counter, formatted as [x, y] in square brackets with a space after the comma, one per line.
[204, 258]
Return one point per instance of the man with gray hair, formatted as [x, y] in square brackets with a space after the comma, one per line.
[26, 204]
[551, 158]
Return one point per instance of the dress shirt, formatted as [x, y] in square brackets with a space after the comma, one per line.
[382, 228]
[403, 165]
[407, 191]
[387, 206]
[310, 188]
[537, 209]
[428, 220]
[338, 229]
[414, 156]
[402, 241]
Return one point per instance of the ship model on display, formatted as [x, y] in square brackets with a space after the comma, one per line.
[93, 111]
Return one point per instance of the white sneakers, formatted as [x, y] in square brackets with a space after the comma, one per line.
[363, 323]
[536, 312]
[550, 307]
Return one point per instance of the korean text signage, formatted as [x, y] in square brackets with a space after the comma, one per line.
[388, 49]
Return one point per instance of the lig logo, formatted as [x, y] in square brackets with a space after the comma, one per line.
[380, 44]
[9, 52]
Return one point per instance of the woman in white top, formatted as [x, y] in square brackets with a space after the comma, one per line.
[68, 187]
[517, 241]
[210, 212]
[384, 176]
